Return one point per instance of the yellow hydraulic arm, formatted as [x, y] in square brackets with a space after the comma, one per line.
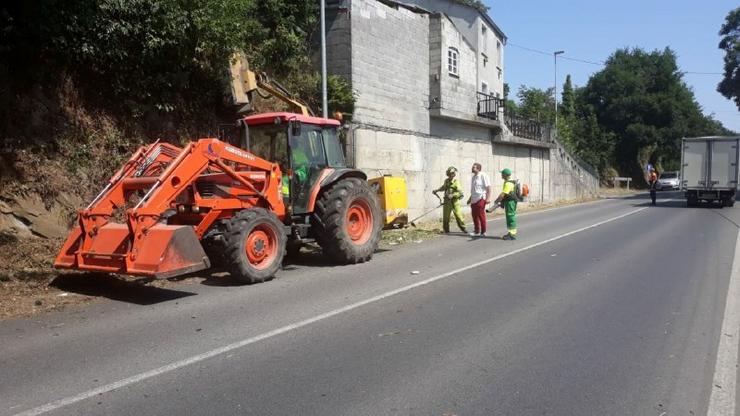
[244, 83]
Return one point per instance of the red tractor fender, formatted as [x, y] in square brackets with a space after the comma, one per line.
[329, 177]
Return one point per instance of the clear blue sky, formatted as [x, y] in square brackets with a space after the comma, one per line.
[592, 29]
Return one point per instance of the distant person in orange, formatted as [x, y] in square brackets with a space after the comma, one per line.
[653, 183]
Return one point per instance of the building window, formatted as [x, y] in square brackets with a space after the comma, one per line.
[485, 59]
[484, 87]
[500, 72]
[498, 53]
[483, 33]
[453, 57]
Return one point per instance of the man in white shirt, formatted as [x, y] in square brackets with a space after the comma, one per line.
[480, 196]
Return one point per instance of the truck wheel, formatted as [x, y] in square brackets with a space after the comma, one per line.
[350, 221]
[254, 245]
[692, 201]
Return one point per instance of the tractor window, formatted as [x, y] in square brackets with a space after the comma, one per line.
[269, 142]
[309, 145]
[334, 152]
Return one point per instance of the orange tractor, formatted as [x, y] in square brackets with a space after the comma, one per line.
[281, 184]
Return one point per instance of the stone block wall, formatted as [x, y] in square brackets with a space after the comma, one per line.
[457, 92]
[551, 174]
[338, 41]
[390, 51]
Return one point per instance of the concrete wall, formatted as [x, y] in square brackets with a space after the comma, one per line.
[421, 159]
[457, 92]
[457, 130]
[338, 42]
[529, 165]
[468, 21]
[488, 72]
[551, 174]
[388, 45]
[569, 179]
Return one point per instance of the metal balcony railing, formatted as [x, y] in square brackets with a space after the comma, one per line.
[489, 106]
[528, 129]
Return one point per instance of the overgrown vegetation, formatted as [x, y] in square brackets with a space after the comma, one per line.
[86, 81]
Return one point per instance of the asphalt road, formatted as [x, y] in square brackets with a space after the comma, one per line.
[606, 308]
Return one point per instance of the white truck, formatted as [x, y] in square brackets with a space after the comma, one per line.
[709, 170]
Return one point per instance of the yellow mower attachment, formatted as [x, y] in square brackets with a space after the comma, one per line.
[393, 199]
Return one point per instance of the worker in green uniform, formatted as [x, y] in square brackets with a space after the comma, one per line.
[508, 200]
[300, 170]
[452, 196]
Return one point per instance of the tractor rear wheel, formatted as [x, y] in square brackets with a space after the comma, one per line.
[254, 245]
[350, 221]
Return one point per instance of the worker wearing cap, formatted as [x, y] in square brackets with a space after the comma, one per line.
[508, 200]
[452, 196]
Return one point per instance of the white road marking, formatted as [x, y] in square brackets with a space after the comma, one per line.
[300, 324]
[501, 217]
[534, 212]
[722, 399]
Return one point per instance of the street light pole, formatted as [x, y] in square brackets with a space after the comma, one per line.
[324, 106]
[555, 55]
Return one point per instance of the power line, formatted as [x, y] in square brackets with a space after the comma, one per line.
[583, 61]
[541, 52]
[599, 63]
[528, 49]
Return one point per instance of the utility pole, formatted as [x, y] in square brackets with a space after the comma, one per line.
[324, 105]
[555, 55]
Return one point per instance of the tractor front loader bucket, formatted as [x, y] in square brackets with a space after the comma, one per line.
[166, 251]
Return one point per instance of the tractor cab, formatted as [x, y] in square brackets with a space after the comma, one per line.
[305, 147]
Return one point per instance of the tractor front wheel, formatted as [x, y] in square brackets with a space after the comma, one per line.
[254, 245]
[350, 221]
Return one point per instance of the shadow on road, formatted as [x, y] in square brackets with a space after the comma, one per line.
[112, 287]
[468, 237]
[308, 257]
[313, 257]
[677, 201]
[661, 204]
[645, 195]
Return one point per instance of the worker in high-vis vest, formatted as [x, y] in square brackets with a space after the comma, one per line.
[508, 199]
[300, 171]
[451, 204]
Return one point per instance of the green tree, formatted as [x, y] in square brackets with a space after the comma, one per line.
[730, 43]
[586, 137]
[510, 107]
[640, 98]
[536, 104]
[568, 103]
